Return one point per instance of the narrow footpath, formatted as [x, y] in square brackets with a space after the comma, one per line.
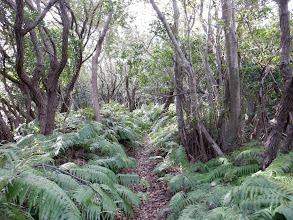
[158, 194]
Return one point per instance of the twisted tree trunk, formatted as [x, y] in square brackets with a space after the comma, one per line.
[286, 105]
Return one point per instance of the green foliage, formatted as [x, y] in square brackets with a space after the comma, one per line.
[94, 190]
[229, 187]
[44, 197]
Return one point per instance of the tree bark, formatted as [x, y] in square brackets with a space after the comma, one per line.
[45, 101]
[231, 135]
[168, 100]
[288, 142]
[286, 104]
[6, 133]
[131, 93]
[95, 68]
[178, 82]
[188, 67]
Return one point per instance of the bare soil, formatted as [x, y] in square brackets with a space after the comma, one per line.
[158, 194]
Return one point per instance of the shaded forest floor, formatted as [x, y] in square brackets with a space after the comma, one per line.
[158, 194]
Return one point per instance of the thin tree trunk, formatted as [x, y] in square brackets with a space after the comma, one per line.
[190, 71]
[95, 68]
[231, 135]
[178, 82]
[168, 100]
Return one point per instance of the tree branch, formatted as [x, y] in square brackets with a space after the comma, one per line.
[88, 183]
[40, 18]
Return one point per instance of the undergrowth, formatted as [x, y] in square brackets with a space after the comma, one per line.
[40, 179]
[75, 175]
[230, 187]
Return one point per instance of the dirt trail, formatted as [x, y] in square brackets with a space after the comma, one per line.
[158, 196]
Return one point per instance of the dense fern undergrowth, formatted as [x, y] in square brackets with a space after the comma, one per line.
[73, 175]
[230, 187]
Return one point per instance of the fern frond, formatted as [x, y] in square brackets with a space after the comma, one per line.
[215, 162]
[242, 171]
[176, 201]
[84, 195]
[218, 172]
[91, 130]
[126, 133]
[145, 183]
[284, 212]
[217, 194]
[64, 141]
[201, 167]
[280, 165]
[128, 195]
[253, 153]
[8, 154]
[63, 181]
[9, 211]
[262, 214]
[50, 200]
[176, 182]
[162, 167]
[92, 212]
[178, 156]
[106, 148]
[104, 170]
[223, 213]
[116, 163]
[159, 124]
[186, 179]
[127, 179]
[188, 213]
[91, 175]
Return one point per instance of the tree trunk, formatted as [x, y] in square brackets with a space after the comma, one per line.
[231, 135]
[288, 143]
[6, 133]
[179, 99]
[130, 94]
[168, 101]
[286, 104]
[69, 88]
[178, 82]
[95, 68]
[188, 67]
[45, 102]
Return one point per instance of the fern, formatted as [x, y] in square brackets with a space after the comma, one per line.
[48, 198]
[91, 130]
[223, 213]
[64, 141]
[92, 175]
[218, 172]
[280, 165]
[128, 179]
[248, 154]
[155, 128]
[162, 167]
[189, 212]
[185, 179]
[284, 212]
[262, 214]
[58, 192]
